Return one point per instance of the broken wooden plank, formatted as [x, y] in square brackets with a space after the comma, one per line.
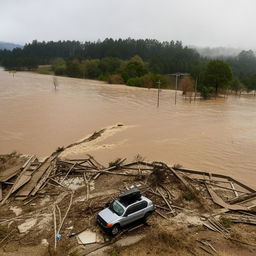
[247, 213]
[217, 176]
[219, 201]
[8, 183]
[70, 169]
[28, 162]
[233, 187]
[54, 226]
[7, 174]
[29, 201]
[217, 225]
[87, 186]
[96, 176]
[136, 168]
[218, 186]
[242, 219]
[161, 207]
[112, 173]
[206, 250]
[242, 198]
[212, 181]
[42, 180]
[22, 181]
[211, 227]
[137, 163]
[208, 244]
[78, 160]
[167, 190]
[99, 172]
[66, 213]
[220, 225]
[23, 178]
[165, 200]
[153, 192]
[163, 216]
[58, 183]
[95, 162]
[176, 174]
[1, 192]
[38, 173]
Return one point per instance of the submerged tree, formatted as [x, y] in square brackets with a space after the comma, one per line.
[236, 85]
[218, 74]
[135, 67]
[187, 85]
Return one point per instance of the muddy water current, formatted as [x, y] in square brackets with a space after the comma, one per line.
[215, 135]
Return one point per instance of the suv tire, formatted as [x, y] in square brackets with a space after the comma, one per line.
[147, 215]
[115, 230]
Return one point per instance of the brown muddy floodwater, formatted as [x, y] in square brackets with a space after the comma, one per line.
[216, 135]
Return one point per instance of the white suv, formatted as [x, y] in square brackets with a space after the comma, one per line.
[128, 208]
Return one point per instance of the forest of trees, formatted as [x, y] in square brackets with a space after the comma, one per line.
[161, 57]
[135, 62]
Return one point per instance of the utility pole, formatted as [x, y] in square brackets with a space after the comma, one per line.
[195, 89]
[177, 75]
[158, 92]
[176, 87]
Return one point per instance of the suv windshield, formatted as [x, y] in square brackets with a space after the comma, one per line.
[117, 208]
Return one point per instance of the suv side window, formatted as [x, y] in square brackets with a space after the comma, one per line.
[137, 207]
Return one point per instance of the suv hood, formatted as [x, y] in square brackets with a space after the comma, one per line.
[108, 215]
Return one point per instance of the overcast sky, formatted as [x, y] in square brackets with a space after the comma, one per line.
[229, 23]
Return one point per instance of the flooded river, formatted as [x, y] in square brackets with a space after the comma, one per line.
[216, 135]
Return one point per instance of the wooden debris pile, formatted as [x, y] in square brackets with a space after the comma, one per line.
[237, 200]
[168, 188]
[245, 218]
[18, 176]
[27, 181]
[215, 225]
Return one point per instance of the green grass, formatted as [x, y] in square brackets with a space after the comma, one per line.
[188, 196]
[226, 222]
[45, 70]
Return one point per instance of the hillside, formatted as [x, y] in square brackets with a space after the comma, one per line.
[9, 46]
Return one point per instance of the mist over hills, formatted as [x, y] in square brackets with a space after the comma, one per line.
[9, 46]
[215, 52]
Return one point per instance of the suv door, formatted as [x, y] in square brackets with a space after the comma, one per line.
[134, 212]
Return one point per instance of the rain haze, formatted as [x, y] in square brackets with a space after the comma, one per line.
[198, 22]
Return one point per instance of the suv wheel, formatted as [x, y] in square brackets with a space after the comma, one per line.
[115, 230]
[146, 216]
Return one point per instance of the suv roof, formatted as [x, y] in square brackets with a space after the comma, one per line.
[130, 196]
